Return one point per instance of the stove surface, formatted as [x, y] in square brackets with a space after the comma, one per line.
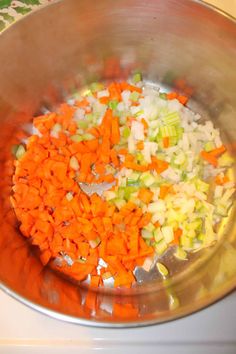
[209, 331]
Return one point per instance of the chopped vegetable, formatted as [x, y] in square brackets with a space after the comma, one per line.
[167, 178]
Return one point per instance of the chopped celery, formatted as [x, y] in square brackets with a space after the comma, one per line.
[160, 247]
[132, 182]
[76, 138]
[140, 157]
[180, 253]
[209, 146]
[96, 86]
[194, 225]
[146, 234]
[163, 95]
[119, 203]
[147, 178]
[222, 208]
[135, 176]
[191, 233]
[156, 207]
[128, 190]
[82, 123]
[149, 227]
[186, 242]
[167, 131]
[172, 118]
[180, 159]
[20, 152]
[109, 195]
[225, 160]
[168, 234]
[173, 140]
[137, 77]
[139, 113]
[179, 132]
[113, 104]
[162, 269]
[134, 96]
[158, 236]
[87, 137]
[126, 132]
[202, 186]
[201, 237]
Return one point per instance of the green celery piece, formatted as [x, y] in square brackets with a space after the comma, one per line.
[113, 104]
[209, 146]
[134, 96]
[137, 77]
[163, 95]
[83, 123]
[126, 132]
[76, 138]
[96, 86]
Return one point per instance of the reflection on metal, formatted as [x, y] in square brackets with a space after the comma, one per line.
[169, 41]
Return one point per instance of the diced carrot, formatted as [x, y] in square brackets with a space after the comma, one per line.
[182, 99]
[218, 151]
[221, 180]
[140, 145]
[145, 195]
[171, 95]
[115, 131]
[177, 235]
[144, 123]
[95, 281]
[166, 142]
[211, 159]
[164, 189]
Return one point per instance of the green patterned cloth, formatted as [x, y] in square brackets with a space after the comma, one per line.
[11, 10]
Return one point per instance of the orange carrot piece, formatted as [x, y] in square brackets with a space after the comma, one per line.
[166, 142]
[115, 131]
[182, 99]
[145, 195]
[140, 145]
[211, 159]
[177, 235]
[221, 180]
[95, 281]
[171, 95]
[218, 151]
[144, 123]
[45, 257]
[164, 189]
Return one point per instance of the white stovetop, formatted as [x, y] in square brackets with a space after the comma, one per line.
[24, 331]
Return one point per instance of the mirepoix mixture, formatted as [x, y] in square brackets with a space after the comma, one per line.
[161, 178]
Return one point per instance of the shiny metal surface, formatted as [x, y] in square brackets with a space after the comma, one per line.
[71, 43]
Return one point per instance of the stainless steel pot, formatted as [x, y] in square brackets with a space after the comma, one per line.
[74, 42]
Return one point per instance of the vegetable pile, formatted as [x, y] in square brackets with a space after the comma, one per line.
[167, 175]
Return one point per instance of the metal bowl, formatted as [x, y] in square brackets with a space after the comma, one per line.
[71, 43]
